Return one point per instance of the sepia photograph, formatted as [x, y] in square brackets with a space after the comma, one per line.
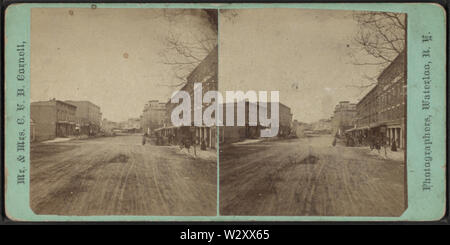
[222, 113]
[102, 138]
[339, 78]
[133, 110]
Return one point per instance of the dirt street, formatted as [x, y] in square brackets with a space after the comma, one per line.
[119, 176]
[309, 176]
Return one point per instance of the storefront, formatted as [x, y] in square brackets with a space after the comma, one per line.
[64, 129]
[395, 135]
[389, 134]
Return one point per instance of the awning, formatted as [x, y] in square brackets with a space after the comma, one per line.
[394, 126]
[355, 129]
[171, 127]
[381, 124]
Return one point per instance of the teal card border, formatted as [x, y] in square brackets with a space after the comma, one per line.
[423, 19]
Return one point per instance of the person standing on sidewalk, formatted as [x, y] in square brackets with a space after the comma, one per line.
[144, 138]
[394, 145]
[384, 145]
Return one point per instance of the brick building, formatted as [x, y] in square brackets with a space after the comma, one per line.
[343, 116]
[381, 113]
[153, 116]
[53, 118]
[88, 116]
[206, 74]
[236, 133]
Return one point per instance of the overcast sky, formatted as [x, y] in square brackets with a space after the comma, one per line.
[305, 54]
[110, 57]
[107, 56]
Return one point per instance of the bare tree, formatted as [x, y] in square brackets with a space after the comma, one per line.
[379, 40]
[381, 35]
[183, 52]
[365, 84]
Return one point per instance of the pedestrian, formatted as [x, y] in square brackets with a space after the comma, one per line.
[181, 143]
[203, 145]
[194, 141]
[378, 144]
[372, 142]
[144, 138]
[171, 138]
[384, 145]
[187, 143]
[394, 145]
[334, 142]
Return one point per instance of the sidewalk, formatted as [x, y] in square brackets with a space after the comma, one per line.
[398, 155]
[65, 139]
[209, 154]
[247, 141]
[56, 140]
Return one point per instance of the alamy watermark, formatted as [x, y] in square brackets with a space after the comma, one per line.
[213, 114]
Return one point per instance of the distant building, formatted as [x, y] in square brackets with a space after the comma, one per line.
[168, 112]
[300, 129]
[382, 111]
[322, 126]
[153, 116]
[297, 130]
[236, 133]
[230, 134]
[132, 125]
[53, 118]
[88, 116]
[109, 126]
[285, 119]
[343, 116]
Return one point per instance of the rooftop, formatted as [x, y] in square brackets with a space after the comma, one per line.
[82, 102]
[51, 102]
